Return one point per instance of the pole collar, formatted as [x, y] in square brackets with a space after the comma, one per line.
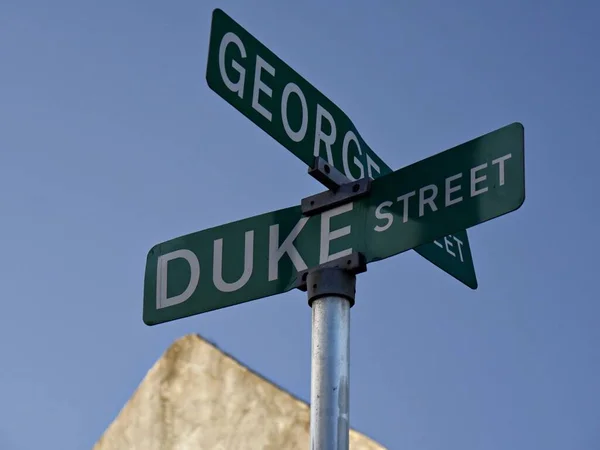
[335, 278]
[331, 281]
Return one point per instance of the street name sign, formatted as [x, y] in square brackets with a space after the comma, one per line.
[429, 201]
[275, 97]
[256, 82]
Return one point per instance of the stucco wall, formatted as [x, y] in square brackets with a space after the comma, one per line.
[196, 397]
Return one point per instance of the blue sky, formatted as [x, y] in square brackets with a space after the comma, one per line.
[111, 142]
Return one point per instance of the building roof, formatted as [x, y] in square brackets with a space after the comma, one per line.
[197, 396]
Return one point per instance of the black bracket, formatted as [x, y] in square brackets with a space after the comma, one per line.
[323, 201]
[322, 280]
[342, 190]
[327, 175]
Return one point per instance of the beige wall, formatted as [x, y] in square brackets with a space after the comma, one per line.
[196, 397]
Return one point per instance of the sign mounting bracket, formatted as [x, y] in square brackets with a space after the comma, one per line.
[327, 174]
[341, 189]
[353, 263]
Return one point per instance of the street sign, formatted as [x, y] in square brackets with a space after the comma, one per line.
[275, 97]
[428, 201]
[453, 190]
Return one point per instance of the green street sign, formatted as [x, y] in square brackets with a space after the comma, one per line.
[275, 97]
[453, 190]
[428, 201]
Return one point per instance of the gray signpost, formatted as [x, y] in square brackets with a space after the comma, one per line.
[368, 213]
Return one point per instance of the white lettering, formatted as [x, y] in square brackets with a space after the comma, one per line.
[276, 251]
[500, 162]
[260, 86]
[329, 139]
[231, 38]
[449, 244]
[349, 137]
[475, 180]
[327, 235]
[429, 201]
[295, 136]
[450, 190]
[384, 216]
[223, 286]
[162, 301]
[372, 165]
[404, 199]
[459, 245]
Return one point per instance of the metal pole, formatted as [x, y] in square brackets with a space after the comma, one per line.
[331, 295]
